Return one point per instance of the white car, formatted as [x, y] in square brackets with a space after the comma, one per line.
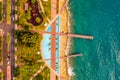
[8, 62]
[13, 18]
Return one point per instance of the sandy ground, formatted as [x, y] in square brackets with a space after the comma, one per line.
[63, 40]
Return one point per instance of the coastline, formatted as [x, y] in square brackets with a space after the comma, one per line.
[63, 40]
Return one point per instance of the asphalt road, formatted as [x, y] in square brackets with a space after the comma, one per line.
[8, 28]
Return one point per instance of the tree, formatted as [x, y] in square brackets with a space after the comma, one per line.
[29, 39]
[16, 21]
[37, 19]
[17, 33]
[16, 3]
[38, 77]
[0, 11]
[33, 1]
[16, 72]
[16, 12]
[26, 27]
[28, 14]
[0, 17]
[49, 44]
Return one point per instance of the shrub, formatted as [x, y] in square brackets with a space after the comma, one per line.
[16, 72]
[16, 12]
[37, 19]
[26, 27]
[33, 1]
[16, 3]
[28, 14]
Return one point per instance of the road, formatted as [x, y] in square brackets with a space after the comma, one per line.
[8, 28]
[3, 26]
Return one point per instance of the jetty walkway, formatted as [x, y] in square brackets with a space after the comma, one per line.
[64, 34]
[61, 57]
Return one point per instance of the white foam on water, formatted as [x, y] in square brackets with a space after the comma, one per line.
[112, 75]
[118, 58]
[70, 71]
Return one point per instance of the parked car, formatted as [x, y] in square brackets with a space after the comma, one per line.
[8, 62]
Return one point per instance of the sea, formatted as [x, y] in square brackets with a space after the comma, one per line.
[101, 56]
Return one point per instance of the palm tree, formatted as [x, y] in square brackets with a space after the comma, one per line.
[50, 38]
[49, 44]
[49, 49]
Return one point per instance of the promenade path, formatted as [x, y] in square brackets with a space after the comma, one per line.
[53, 39]
[58, 14]
[41, 5]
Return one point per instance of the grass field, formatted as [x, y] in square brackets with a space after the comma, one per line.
[27, 56]
[0, 48]
[22, 15]
[8, 11]
[0, 11]
[8, 41]
[1, 75]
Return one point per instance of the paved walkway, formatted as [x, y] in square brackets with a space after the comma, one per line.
[58, 14]
[53, 39]
[41, 5]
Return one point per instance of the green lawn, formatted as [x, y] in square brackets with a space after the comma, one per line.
[8, 38]
[8, 41]
[44, 75]
[27, 54]
[0, 11]
[47, 8]
[8, 11]
[47, 14]
[23, 18]
[1, 75]
[0, 48]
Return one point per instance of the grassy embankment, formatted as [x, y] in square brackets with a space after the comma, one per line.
[8, 41]
[1, 11]
[1, 75]
[0, 48]
[8, 11]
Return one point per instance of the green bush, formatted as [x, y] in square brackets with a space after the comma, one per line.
[16, 12]
[33, 1]
[28, 14]
[26, 27]
[16, 72]
[16, 3]
[16, 21]
[37, 19]
[44, 75]
[27, 38]
[0, 11]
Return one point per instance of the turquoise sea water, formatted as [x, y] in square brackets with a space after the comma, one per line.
[101, 56]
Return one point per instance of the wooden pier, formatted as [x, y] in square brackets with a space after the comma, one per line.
[65, 34]
[61, 57]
